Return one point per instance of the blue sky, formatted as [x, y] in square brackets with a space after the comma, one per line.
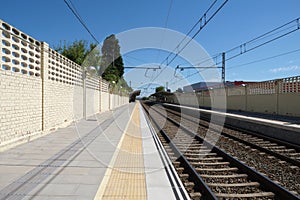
[238, 22]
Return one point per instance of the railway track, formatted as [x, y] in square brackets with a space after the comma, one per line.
[282, 150]
[209, 172]
[277, 165]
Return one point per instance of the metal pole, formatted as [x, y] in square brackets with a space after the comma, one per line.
[223, 67]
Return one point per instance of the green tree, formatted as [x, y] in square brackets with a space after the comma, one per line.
[111, 62]
[76, 51]
[82, 53]
[160, 88]
[112, 66]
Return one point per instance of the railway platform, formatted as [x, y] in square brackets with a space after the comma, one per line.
[112, 155]
[283, 128]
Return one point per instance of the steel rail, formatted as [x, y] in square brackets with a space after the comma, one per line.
[278, 190]
[204, 189]
[273, 153]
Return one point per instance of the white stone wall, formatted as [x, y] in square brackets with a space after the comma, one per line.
[58, 104]
[92, 102]
[41, 90]
[20, 85]
[20, 105]
[105, 101]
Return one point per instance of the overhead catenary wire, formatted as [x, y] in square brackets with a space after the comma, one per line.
[77, 15]
[287, 28]
[264, 59]
[202, 25]
[165, 26]
[168, 14]
[202, 22]
[244, 64]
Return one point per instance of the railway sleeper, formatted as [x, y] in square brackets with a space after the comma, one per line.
[189, 186]
[191, 146]
[242, 135]
[184, 149]
[212, 164]
[189, 143]
[181, 136]
[268, 144]
[257, 139]
[279, 147]
[212, 159]
[198, 149]
[217, 166]
[284, 150]
[180, 170]
[186, 143]
[184, 176]
[197, 154]
[258, 195]
[294, 154]
[226, 181]
[236, 190]
[176, 163]
[225, 176]
[230, 179]
[195, 195]
[227, 169]
[202, 156]
[173, 158]
[168, 148]
[247, 184]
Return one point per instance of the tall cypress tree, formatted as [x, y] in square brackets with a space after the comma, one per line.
[112, 66]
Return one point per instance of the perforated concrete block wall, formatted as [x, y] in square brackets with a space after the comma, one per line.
[41, 89]
[20, 85]
[62, 89]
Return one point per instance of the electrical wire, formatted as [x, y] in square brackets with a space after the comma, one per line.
[165, 26]
[77, 15]
[203, 21]
[264, 59]
[169, 11]
[243, 47]
[134, 58]
[206, 21]
[241, 65]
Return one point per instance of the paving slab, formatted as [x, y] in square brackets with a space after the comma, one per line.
[66, 164]
[73, 162]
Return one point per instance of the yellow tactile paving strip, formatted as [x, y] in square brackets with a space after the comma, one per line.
[126, 178]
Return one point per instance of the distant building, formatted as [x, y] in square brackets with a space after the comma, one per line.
[200, 86]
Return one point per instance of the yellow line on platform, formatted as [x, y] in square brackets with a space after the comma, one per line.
[125, 178]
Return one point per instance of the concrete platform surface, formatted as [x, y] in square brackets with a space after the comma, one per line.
[78, 162]
[281, 128]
